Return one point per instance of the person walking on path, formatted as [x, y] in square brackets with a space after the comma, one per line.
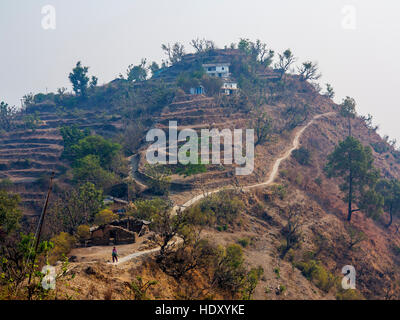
[114, 255]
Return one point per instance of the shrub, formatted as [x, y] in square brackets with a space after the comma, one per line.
[223, 206]
[350, 294]
[315, 272]
[279, 190]
[145, 209]
[230, 271]
[244, 242]
[5, 183]
[105, 216]
[380, 147]
[277, 271]
[89, 169]
[63, 243]
[302, 156]
[83, 232]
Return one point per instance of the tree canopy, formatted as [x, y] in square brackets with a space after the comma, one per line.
[353, 162]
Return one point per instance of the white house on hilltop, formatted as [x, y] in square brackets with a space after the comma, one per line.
[220, 70]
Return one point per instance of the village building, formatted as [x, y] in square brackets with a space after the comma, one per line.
[220, 70]
[197, 90]
[123, 231]
[229, 87]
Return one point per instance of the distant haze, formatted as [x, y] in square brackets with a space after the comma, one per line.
[109, 35]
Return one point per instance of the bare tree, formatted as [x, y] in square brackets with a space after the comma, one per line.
[329, 91]
[202, 45]
[174, 52]
[292, 230]
[355, 237]
[262, 125]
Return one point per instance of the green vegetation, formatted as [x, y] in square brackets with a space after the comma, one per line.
[80, 80]
[315, 272]
[222, 207]
[262, 125]
[160, 180]
[18, 261]
[348, 110]
[7, 114]
[105, 216]
[137, 73]
[279, 190]
[390, 191]
[10, 213]
[145, 209]
[354, 164]
[92, 157]
[302, 156]
[75, 207]
[244, 242]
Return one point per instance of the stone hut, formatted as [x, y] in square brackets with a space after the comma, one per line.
[117, 232]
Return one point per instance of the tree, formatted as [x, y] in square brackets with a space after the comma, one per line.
[329, 91]
[348, 110]
[154, 68]
[212, 85]
[390, 190]
[71, 136]
[295, 115]
[353, 162]
[355, 237]
[285, 61]
[89, 169]
[159, 178]
[262, 125]
[83, 232]
[145, 209]
[93, 82]
[79, 79]
[105, 216]
[174, 52]
[292, 229]
[6, 116]
[252, 279]
[105, 150]
[202, 45]
[10, 214]
[75, 207]
[166, 226]
[137, 73]
[230, 272]
[309, 71]
[302, 156]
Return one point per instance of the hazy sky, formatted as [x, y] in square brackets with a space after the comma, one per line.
[361, 62]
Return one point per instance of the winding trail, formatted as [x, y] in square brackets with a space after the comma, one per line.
[271, 179]
[274, 171]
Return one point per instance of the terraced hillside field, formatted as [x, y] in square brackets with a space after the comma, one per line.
[29, 156]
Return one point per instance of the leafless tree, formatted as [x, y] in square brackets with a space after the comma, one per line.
[202, 45]
[292, 230]
[174, 52]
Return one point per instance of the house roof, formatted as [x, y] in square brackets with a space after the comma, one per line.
[216, 64]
